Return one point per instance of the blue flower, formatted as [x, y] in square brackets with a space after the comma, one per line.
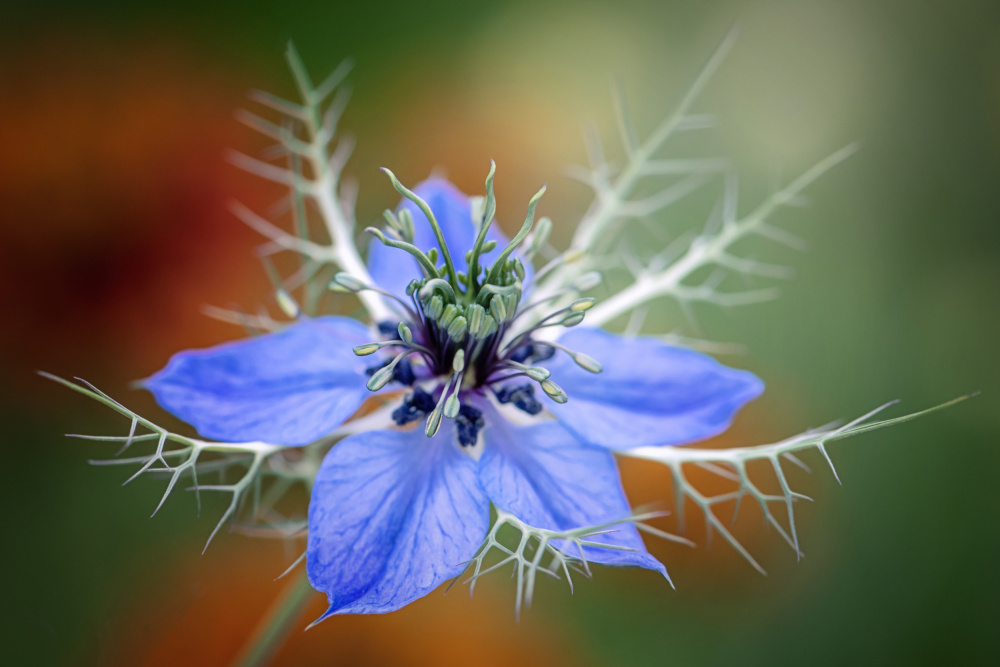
[397, 511]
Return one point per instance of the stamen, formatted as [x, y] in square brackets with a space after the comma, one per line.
[403, 373]
[458, 361]
[475, 315]
[383, 376]
[582, 360]
[457, 329]
[448, 315]
[554, 391]
[451, 406]
[367, 348]
[488, 328]
[498, 309]
[345, 282]
[536, 373]
[434, 307]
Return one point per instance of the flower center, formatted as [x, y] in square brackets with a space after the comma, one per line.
[461, 334]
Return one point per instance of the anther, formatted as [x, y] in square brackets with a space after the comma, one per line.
[434, 307]
[449, 313]
[488, 328]
[554, 391]
[587, 363]
[383, 375]
[474, 315]
[345, 282]
[518, 269]
[451, 406]
[498, 309]
[537, 373]
[367, 348]
[457, 329]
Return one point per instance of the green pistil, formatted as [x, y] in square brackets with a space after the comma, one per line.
[494, 277]
[489, 210]
[422, 205]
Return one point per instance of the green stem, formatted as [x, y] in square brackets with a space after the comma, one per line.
[270, 635]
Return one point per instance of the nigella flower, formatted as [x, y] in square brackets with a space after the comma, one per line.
[481, 403]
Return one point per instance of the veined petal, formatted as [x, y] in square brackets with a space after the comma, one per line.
[393, 515]
[649, 393]
[290, 387]
[544, 476]
[393, 269]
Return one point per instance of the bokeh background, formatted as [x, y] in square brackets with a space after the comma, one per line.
[115, 118]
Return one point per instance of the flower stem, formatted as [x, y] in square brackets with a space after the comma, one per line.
[270, 634]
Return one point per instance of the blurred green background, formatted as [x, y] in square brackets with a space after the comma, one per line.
[113, 186]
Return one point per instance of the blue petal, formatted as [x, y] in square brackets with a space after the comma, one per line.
[392, 269]
[290, 387]
[650, 393]
[393, 515]
[548, 479]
